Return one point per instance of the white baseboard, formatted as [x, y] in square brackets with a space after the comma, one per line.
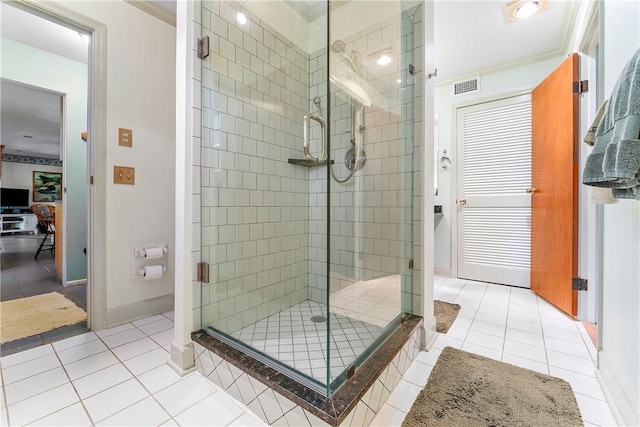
[429, 333]
[622, 407]
[442, 271]
[76, 282]
[139, 310]
[182, 360]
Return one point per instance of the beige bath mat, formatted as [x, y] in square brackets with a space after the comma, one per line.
[445, 314]
[466, 389]
[25, 317]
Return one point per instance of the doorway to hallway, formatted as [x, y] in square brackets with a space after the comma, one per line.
[45, 156]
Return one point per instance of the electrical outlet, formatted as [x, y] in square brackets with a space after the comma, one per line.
[125, 137]
[124, 175]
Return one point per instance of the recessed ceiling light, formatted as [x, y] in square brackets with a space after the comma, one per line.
[241, 18]
[522, 9]
[526, 9]
[384, 59]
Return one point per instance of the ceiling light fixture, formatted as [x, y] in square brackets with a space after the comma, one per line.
[526, 10]
[384, 59]
[522, 9]
[241, 18]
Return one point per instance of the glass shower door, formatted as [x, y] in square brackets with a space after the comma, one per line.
[371, 112]
[256, 182]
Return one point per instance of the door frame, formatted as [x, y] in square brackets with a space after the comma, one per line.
[96, 150]
[455, 165]
[591, 214]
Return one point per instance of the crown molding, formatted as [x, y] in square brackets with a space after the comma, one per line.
[154, 10]
[559, 52]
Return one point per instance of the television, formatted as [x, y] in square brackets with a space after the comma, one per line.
[14, 198]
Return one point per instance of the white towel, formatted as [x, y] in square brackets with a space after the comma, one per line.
[601, 195]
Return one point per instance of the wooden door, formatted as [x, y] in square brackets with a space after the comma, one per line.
[554, 177]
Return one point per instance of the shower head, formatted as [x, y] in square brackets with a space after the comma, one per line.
[338, 46]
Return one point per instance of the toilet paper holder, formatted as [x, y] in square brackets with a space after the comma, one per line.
[139, 271]
[142, 252]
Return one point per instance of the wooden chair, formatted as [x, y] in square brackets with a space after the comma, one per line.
[46, 226]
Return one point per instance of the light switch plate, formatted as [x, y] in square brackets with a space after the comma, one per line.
[124, 175]
[125, 137]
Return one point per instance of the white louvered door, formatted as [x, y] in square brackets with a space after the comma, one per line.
[493, 206]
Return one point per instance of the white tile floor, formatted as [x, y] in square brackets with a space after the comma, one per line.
[514, 326]
[120, 377]
[114, 377]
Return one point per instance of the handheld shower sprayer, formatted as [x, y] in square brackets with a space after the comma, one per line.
[355, 157]
[339, 47]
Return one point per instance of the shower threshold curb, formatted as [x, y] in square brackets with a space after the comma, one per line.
[378, 375]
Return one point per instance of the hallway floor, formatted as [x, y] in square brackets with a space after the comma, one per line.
[119, 376]
[24, 276]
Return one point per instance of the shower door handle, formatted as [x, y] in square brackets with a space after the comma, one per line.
[307, 135]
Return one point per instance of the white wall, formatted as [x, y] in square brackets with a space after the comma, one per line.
[619, 358]
[20, 175]
[46, 70]
[140, 69]
[492, 86]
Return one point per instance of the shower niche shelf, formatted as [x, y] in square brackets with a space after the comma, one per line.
[309, 163]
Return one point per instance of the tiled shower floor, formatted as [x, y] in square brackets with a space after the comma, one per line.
[359, 314]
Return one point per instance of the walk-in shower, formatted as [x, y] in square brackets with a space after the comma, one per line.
[310, 241]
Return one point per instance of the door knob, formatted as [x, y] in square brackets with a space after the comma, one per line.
[462, 202]
[530, 190]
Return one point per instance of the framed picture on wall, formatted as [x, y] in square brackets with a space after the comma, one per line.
[47, 186]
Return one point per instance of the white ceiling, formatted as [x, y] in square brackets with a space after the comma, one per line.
[42, 34]
[28, 112]
[470, 37]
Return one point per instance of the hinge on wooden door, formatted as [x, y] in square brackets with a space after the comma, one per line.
[203, 272]
[203, 47]
[579, 284]
[411, 264]
[581, 87]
